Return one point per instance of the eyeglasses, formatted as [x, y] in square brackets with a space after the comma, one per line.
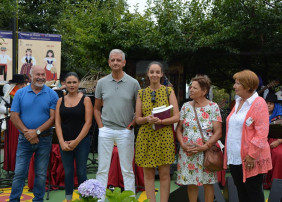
[153, 94]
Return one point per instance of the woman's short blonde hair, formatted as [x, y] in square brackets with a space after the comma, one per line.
[248, 79]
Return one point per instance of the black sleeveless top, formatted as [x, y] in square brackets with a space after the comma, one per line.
[72, 119]
[28, 61]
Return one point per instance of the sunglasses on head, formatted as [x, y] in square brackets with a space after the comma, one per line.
[153, 94]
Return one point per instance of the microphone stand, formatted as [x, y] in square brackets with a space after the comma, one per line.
[7, 104]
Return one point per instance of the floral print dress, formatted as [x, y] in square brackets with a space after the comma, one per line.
[190, 167]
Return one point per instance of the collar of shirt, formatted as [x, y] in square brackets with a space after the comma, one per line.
[43, 90]
[250, 100]
[111, 78]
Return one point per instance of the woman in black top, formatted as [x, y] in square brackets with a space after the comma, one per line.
[73, 119]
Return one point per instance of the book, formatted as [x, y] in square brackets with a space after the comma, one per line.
[162, 112]
[159, 108]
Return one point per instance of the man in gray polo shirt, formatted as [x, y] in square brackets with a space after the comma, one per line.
[117, 93]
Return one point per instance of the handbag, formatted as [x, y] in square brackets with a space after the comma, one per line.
[213, 157]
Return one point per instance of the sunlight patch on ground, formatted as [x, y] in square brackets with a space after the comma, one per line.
[143, 196]
[26, 195]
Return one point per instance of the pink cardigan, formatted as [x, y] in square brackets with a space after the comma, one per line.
[254, 139]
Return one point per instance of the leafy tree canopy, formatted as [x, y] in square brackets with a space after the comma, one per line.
[215, 37]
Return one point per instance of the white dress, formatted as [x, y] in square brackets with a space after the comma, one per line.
[49, 62]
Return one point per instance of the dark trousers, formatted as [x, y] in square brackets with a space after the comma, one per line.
[3, 72]
[251, 190]
[80, 155]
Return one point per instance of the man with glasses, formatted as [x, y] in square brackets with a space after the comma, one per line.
[117, 93]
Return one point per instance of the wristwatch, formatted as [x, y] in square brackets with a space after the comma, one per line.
[38, 132]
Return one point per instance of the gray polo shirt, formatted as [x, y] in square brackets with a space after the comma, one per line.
[119, 100]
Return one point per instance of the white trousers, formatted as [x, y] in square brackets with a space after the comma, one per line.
[125, 143]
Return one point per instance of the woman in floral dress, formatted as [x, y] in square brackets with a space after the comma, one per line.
[190, 167]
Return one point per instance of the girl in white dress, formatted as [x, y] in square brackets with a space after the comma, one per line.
[49, 60]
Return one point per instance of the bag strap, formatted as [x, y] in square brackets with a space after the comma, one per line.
[196, 116]
[143, 91]
[166, 89]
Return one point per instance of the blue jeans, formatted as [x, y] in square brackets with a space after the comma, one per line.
[80, 155]
[25, 151]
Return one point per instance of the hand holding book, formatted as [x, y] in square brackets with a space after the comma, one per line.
[162, 112]
[153, 120]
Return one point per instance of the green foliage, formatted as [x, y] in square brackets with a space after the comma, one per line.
[40, 15]
[233, 35]
[114, 196]
[86, 199]
[89, 30]
[215, 37]
[7, 10]
[118, 196]
[221, 97]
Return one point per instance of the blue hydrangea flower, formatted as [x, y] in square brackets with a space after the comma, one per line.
[92, 188]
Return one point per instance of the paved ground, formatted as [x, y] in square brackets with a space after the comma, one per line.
[58, 195]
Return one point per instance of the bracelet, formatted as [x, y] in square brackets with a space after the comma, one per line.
[208, 144]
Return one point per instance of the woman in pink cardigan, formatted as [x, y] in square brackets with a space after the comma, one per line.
[247, 150]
